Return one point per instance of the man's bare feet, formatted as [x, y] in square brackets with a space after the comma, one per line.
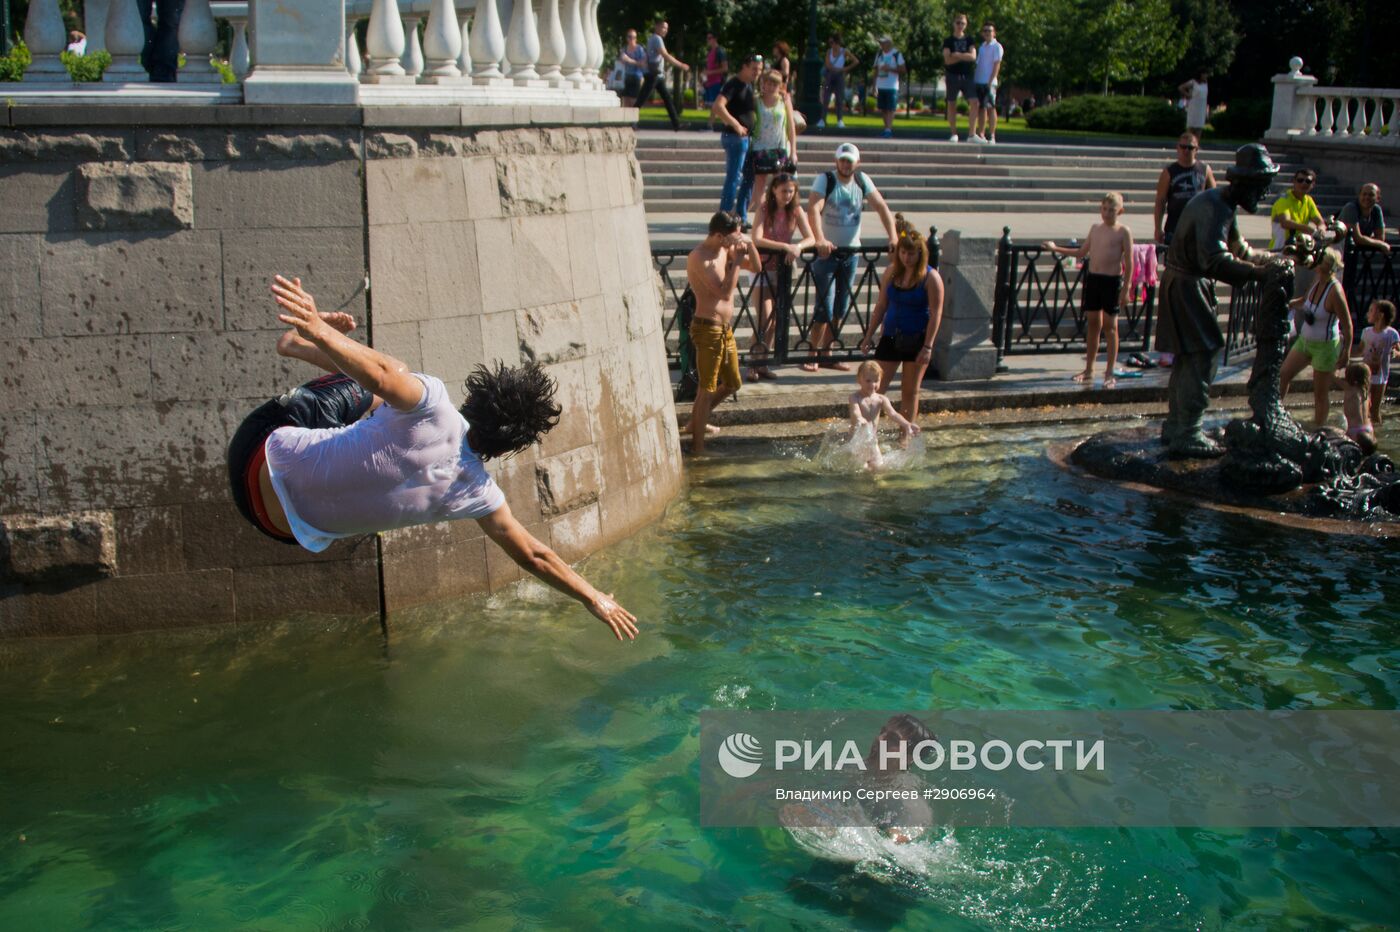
[808, 367]
[710, 430]
[1109, 381]
[1084, 378]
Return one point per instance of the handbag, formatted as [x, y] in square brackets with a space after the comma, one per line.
[769, 161]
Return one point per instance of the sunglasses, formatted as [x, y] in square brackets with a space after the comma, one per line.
[1304, 179]
[1186, 147]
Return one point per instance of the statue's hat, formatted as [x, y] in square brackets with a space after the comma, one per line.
[1252, 163]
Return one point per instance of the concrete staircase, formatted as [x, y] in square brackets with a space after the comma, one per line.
[684, 172]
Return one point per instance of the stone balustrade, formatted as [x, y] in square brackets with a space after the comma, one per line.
[540, 53]
[1349, 116]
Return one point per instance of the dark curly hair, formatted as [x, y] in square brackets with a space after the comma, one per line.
[509, 408]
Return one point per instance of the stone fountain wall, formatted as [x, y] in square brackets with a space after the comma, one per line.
[136, 331]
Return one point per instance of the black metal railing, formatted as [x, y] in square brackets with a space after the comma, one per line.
[776, 306]
[1245, 302]
[1368, 275]
[1036, 304]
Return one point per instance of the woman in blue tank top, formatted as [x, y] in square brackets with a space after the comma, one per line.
[910, 307]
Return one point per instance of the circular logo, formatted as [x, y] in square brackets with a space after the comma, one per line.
[741, 755]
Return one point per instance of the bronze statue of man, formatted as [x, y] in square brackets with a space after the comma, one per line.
[1206, 246]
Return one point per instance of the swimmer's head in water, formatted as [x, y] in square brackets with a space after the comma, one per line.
[509, 408]
[901, 731]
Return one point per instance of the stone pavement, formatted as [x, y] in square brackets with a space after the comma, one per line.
[1030, 382]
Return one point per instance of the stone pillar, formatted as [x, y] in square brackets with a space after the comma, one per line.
[413, 54]
[523, 46]
[464, 59]
[595, 47]
[575, 41]
[198, 36]
[1292, 113]
[299, 54]
[963, 349]
[552, 43]
[95, 24]
[488, 45]
[126, 37]
[384, 40]
[44, 34]
[442, 44]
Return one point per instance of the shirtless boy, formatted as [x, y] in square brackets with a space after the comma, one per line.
[1109, 247]
[712, 268]
[867, 404]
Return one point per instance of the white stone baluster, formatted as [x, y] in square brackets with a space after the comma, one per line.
[488, 44]
[1393, 136]
[552, 44]
[523, 46]
[595, 46]
[354, 62]
[239, 58]
[1373, 129]
[576, 43]
[1344, 115]
[442, 44]
[198, 35]
[1325, 127]
[506, 10]
[46, 38]
[95, 24]
[385, 42]
[465, 61]
[126, 37]
[412, 60]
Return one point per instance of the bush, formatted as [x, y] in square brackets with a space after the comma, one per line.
[1134, 116]
[14, 63]
[1242, 119]
[226, 70]
[86, 67]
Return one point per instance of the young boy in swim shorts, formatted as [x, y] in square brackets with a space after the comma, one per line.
[1109, 247]
[1359, 427]
[867, 404]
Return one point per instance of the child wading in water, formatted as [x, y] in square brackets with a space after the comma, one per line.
[1379, 342]
[1109, 247]
[1354, 406]
[867, 404]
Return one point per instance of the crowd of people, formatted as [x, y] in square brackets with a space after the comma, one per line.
[973, 73]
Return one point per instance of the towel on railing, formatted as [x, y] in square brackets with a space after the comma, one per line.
[1144, 269]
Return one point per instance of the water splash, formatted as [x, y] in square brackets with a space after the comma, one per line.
[842, 450]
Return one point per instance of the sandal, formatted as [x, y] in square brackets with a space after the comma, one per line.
[838, 366]
[765, 373]
[808, 367]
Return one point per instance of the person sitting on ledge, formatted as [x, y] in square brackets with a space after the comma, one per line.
[374, 447]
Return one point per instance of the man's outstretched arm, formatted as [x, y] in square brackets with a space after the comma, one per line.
[536, 557]
[381, 375]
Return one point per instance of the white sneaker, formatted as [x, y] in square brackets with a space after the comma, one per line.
[991, 140]
[976, 138]
[953, 138]
[840, 124]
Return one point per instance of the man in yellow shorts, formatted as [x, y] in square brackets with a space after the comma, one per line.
[712, 268]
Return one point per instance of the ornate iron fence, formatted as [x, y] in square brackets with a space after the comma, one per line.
[1368, 274]
[1036, 304]
[780, 302]
[1244, 313]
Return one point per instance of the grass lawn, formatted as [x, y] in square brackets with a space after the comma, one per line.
[928, 126]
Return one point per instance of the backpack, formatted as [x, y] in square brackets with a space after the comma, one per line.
[862, 181]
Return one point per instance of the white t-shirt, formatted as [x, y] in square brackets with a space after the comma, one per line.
[987, 55]
[1376, 347]
[889, 81]
[841, 212]
[388, 470]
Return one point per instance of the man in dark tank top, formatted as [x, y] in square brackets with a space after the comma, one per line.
[1178, 183]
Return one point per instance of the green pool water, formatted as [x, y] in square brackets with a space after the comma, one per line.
[503, 764]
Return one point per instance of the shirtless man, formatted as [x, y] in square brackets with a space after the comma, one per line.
[712, 268]
[1109, 247]
[374, 447]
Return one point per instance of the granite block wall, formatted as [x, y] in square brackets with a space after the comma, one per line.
[136, 331]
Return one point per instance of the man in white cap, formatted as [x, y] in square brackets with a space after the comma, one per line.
[834, 207]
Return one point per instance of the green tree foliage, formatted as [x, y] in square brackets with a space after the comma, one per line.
[1211, 33]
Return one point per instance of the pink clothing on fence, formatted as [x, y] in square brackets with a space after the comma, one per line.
[1144, 268]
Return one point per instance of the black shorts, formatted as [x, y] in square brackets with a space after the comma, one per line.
[983, 92]
[1101, 292]
[958, 84]
[330, 401]
[631, 85]
[887, 350]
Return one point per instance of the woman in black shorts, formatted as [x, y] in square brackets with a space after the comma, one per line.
[910, 306]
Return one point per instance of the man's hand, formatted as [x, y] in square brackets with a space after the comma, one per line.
[301, 311]
[620, 620]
